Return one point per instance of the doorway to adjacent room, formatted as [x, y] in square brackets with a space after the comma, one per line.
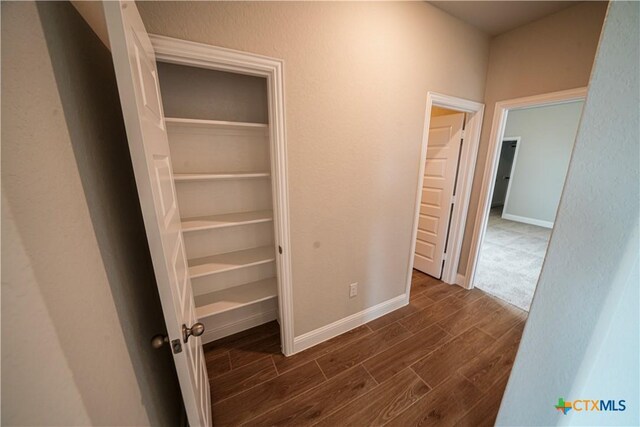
[531, 144]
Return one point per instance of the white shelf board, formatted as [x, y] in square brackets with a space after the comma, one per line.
[187, 177]
[174, 121]
[225, 220]
[199, 267]
[239, 296]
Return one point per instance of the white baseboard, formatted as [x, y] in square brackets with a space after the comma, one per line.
[212, 334]
[526, 220]
[460, 279]
[341, 326]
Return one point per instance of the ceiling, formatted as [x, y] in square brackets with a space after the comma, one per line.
[497, 17]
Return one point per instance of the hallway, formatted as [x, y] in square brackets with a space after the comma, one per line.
[443, 359]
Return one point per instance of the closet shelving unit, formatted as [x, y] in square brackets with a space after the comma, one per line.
[222, 178]
[180, 177]
[225, 220]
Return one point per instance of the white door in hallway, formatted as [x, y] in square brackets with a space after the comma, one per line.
[137, 78]
[443, 153]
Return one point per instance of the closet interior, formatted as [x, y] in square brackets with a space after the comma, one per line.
[218, 130]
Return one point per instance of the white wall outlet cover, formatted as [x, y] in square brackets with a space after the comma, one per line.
[353, 290]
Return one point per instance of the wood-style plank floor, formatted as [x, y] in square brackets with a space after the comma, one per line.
[442, 360]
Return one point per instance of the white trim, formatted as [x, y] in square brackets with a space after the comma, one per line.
[488, 181]
[346, 324]
[459, 279]
[517, 140]
[212, 334]
[184, 52]
[526, 220]
[465, 180]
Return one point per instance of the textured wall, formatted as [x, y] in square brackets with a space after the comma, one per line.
[548, 134]
[197, 93]
[548, 55]
[79, 301]
[356, 80]
[581, 339]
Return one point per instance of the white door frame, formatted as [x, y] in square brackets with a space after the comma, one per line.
[517, 140]
[190, 53]
[493, 155]
[467, 166]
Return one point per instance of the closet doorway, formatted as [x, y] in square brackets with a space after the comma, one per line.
[210, 167]
[224, 114]
[508, 154]
[449, 148]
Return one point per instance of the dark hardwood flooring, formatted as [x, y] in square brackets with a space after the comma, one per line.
[442, 360]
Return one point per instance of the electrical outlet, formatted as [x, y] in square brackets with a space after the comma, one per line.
[353, 290]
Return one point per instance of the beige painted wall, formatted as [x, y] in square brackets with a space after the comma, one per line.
[548, 55]
[356, 79]
[79, 301]
[547, 136]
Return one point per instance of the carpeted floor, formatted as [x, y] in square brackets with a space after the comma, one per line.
[510, 259]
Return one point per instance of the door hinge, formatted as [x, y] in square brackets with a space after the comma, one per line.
[280, 249]
[462, 132]
[176, 346]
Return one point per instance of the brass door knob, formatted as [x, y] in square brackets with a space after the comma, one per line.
[196, 330]
[158, 341]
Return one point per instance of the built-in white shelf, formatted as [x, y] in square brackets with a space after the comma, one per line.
[174, 121]
[232, 298]
[225, 220]
[199, 267]
[187, 177]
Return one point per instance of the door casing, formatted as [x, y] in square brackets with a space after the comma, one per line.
[467, 162]
[517, 140]
[183, 52]
[493, 155]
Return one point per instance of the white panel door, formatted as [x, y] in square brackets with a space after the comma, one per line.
[443, 152]
[137, 77]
